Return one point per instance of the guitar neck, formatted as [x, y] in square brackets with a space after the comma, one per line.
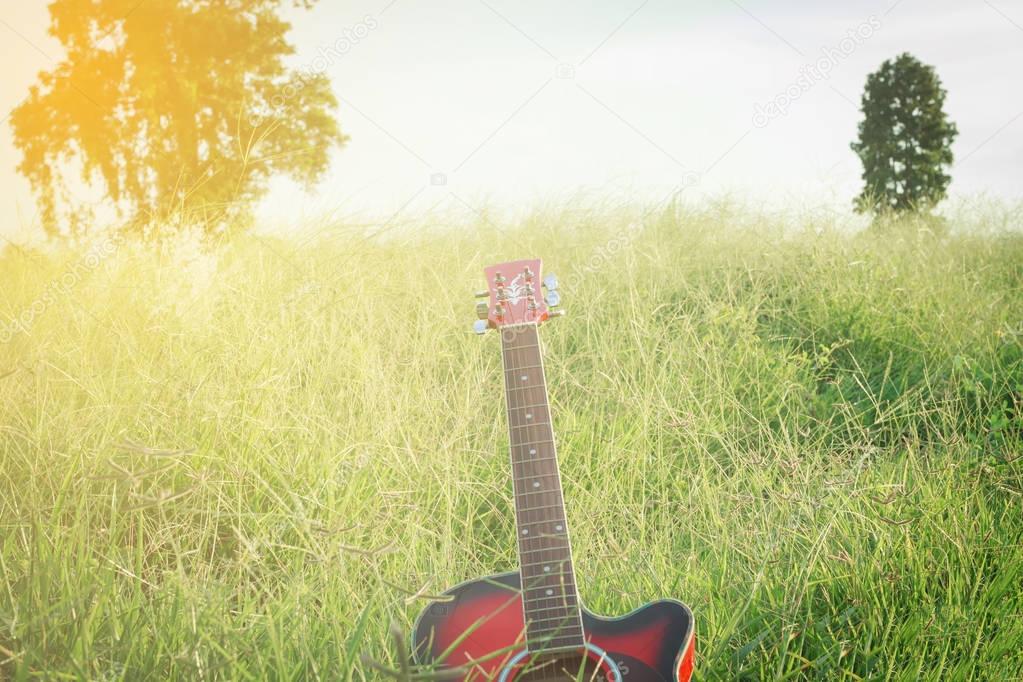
[549, 595]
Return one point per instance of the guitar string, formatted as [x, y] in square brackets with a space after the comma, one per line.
[516, 359]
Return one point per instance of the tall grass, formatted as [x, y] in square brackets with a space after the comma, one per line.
[248, 462]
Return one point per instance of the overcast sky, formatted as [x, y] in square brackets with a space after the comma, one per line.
[460, 103]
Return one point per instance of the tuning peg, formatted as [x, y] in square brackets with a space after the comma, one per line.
[482, 310]
[550, 281]
[480, 326]
[483, 293]
[553, 298]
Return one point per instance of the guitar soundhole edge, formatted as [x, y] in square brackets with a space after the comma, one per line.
[563, 667]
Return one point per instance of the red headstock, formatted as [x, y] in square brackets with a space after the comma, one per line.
[515, 296]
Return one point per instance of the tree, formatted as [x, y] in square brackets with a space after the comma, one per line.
[171, 105]
[905, 138]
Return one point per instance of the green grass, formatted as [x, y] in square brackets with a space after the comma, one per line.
[244, 463]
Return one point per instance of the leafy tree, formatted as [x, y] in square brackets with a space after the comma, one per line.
[905, 138]
[171, 105]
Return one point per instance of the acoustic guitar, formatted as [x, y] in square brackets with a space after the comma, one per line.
[531, 625]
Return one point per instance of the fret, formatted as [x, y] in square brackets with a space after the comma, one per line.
[570, 616]
[524, 456]
[530, 552]
[549, 473]
[527, 387]
[549, 562]
[522, 368]
[531, 424]
[559, 591]
[518, 423]
[556, 522]
[538, 638]
[544, 627]
[535, 409]
[545, 646]
[542, 644]
[529, 407]
[548, 500]
[524, 346]
[524, 535]
[526, 524]
[552, 562]
[566, 580]
[538, 491]
[526, 463]
[532, 459]
[547, 548]
[541, 508]
[531, 556]
[526, 445]
[550, 558]
[549, 520]
[542, 408]
[563, 606]
[541, 582]
[559, 596]
[568, 611]
[553, 495]
[546, 563]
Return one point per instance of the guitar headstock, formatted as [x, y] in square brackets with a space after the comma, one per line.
[515, 295]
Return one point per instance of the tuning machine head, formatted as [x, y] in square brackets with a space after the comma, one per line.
[553, 298]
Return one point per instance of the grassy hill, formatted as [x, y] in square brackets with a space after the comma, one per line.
[248, 462]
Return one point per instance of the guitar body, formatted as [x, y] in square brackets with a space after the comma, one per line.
[481, 629]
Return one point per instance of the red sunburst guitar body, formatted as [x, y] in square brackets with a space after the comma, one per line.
[530, 625]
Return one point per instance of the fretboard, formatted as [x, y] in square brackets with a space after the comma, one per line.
[549, 597]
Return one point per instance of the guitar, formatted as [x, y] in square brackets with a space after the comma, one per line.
[531, 625]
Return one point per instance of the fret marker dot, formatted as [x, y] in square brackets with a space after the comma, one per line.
[523, 377]
[546, 569]
[559, 527]
[550, 592]
[536, 484]
[532, 451]
[529, 415]
[525, 531]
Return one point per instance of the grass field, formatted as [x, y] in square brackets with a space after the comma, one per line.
[248, 463]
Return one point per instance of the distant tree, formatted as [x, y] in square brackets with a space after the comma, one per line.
[905, 138]
[167, 105]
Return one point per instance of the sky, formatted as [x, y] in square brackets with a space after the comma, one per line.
[466, 105]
